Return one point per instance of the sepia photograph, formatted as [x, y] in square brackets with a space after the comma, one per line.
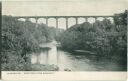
[64, 35]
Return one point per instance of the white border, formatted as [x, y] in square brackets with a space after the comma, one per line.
[39, 75]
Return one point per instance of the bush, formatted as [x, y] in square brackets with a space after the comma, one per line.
[102, 37]
[19, 39]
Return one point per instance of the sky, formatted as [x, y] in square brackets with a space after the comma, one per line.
[62, 8]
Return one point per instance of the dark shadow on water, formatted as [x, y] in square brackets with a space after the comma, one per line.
[101, 61]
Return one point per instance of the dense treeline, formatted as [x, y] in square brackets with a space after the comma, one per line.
[19, 38]
[103, 38]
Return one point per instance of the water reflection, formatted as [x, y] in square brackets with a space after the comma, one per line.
[75, 62]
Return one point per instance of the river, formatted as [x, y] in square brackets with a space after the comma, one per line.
[74, 62]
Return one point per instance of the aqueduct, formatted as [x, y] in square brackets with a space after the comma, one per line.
[65, 17]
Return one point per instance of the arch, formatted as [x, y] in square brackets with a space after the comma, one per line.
[42, 20]
[21, 19]
[52, 22]
[91, 19]
[62, 23]
[33, 20]
[111, 19]
[100, 18]
[71, 22]
[81, 20]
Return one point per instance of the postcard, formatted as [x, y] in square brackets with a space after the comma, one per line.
[64, 40]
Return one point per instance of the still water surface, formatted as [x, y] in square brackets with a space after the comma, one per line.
[74, 62]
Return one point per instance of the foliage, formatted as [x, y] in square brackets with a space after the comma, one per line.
[101, 37]
[121, 19]
[19, 38]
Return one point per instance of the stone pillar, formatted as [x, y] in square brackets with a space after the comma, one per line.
[47, 21]
[66, 23]
[86, 19]
[26, 19]
[96, 19]
[76, 20]
[105, 18]
[56, 22]
[36, 22]
[113, 20]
